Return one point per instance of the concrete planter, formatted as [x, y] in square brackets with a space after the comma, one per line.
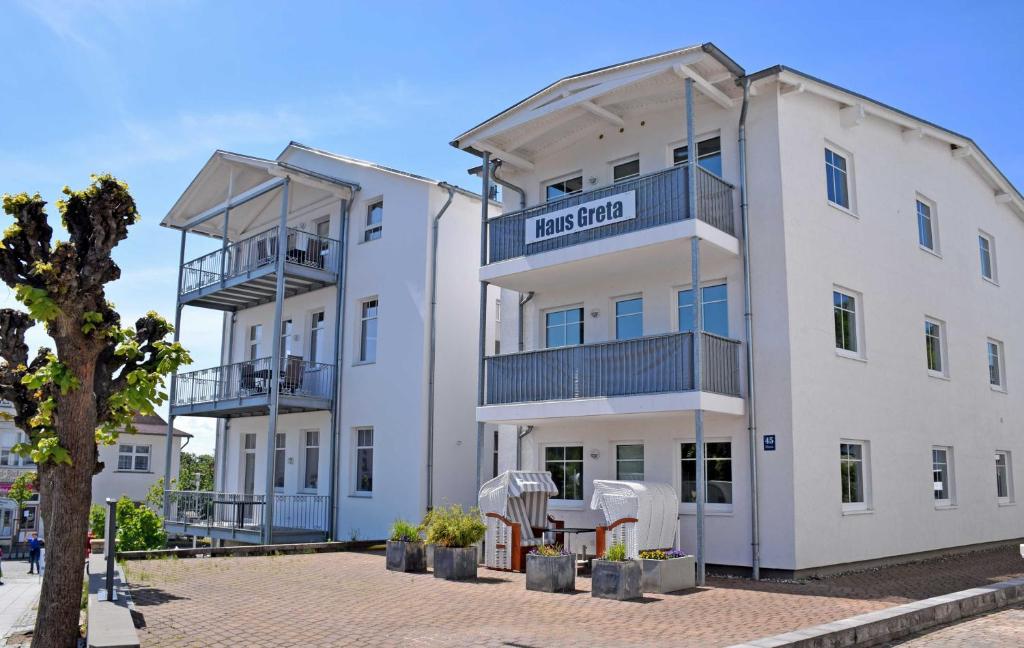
[455, 563]
[406, 556]
[618, 580]
[550, 573]
[663, 576]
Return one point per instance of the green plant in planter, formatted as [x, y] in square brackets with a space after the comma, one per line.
[450, 526]
[404, 531]
[659, 554]
[549, 551]
[616, 552]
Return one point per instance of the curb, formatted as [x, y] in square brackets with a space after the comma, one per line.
[878, 627]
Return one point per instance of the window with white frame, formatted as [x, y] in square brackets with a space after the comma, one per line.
[626, 170]
[987, 256]
[249, 462]
[316, 337]
[374, 221]
[10, 458]
[497, 326]
[837, 179]
[1004, 479]
[942, 476]
[996, 370]
[255, 341]
[709, 155]
[311, 460]
[368, 331]
[853, 475]
[629, 318]
[935, 346]
[280, 451]
[717, 473]
[715, 309]
[629, 462]
[847, 325]
[364, 460]
[565, 463]
[564, 187]
[133, 457]
[926, 230]
[563, 327]
[287, 331]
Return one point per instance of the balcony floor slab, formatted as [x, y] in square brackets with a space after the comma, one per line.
[610, 407]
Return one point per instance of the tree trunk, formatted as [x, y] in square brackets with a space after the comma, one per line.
[68, 493]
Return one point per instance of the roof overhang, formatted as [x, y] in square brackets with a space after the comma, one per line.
[600, 98]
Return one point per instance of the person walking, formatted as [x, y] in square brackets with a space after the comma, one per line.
[35, 549]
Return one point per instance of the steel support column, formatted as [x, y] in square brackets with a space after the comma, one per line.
[174, 381]
[339, 344]
[275, 366]
[485, 191]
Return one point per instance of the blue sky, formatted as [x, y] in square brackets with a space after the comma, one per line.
[147, 90]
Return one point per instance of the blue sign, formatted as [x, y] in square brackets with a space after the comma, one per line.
[769, 442]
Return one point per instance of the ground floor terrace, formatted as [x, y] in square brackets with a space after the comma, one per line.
[349, 599]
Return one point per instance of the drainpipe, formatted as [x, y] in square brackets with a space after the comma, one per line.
[520, 435]
[339, 346]
[509, 185]
[433, 340]
[748, 323]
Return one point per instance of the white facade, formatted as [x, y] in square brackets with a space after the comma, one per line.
[381, 406]
[878, 400]
[135, 463]
[11, 467]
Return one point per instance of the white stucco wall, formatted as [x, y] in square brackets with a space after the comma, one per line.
[135, 485]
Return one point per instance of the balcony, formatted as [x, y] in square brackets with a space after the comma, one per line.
[240, 516]
[243, 274]
[660, 216]
[645, 375]
[244, 388]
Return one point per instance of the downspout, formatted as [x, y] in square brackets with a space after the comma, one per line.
[435, 231]
[522, 302]
[520, 435]
[748, 323]
[339, 345]
[508, 185]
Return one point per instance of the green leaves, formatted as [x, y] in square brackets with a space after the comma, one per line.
[90, 321]
[23, 487]
[40, 305]
[53, 373]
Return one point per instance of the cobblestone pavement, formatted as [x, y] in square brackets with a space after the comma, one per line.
[1000, 629]
[350, 599]
[18, 598]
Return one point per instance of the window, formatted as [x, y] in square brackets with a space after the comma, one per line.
[280, 441]
[311, 460]
[926, 227]
[368, 331]
[133, 458]
[28, 519]
[286, 338]
[844, 309]
[942, 476]
[494, 456]
[716, 309]
[629, 318]
[853, 475]
[717, 473]
[836, 179]
[565, 463]
[562, 188]
[1004, 482]
[316, 337]
[934, 346]
[255, 337]
[626, 170]
[563, 328]
[364, 460]
[709, 155]
[996, 377]
[374, 221]
[323, 227]
[629, 461]
[497, 326]
[249, 462]
[987, 252]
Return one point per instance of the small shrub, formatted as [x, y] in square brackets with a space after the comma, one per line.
[452, 527]
[138, 527]
[549, 551]
[404, 531]
[98, 520]
[658, 554]
[616, 552]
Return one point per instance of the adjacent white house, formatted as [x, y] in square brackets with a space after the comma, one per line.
[683, 226]
[11, 467]
[135, 463]
[349, 291]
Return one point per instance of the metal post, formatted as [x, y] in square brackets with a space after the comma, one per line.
[339, 343]
[174, 382]
[275, 367]
[224, 232]
[109, 549]
[485, 191]
[698, 328]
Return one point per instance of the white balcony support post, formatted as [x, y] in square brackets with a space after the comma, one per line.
[275, 367]
[698, 326]
[485, 190]
[174, 380]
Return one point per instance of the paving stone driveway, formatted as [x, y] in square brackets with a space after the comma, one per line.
[1001, 628]
[347, 599]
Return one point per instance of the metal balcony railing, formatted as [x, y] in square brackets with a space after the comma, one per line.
[246, 511]
[661, 198]
[260, 251]
[298, 377]
[647, 365]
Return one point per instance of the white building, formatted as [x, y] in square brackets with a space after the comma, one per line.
[341, 324]
[885, 311]
[11, 467]
[135, 463]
